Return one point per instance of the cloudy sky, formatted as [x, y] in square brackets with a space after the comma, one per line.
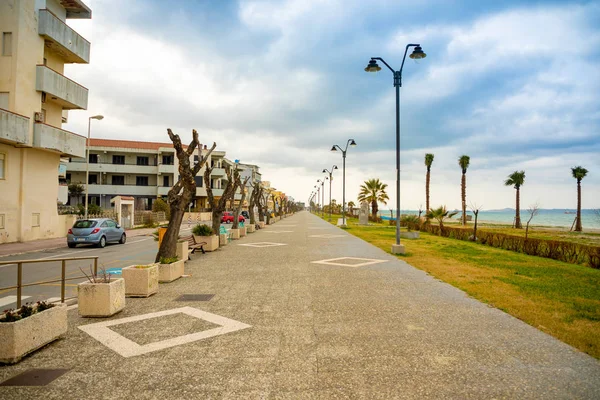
[513, 84]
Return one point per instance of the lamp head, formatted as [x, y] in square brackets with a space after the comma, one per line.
[352, 143]
[373, 67]
[98, 117]
[333, 148]
[325, 170]
[335, 167]
[418, 53]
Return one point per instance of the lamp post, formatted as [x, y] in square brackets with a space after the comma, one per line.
[318, 194]
[330, 179]
[323, 197]
[417, 54]
[352, 143]
[87, 155]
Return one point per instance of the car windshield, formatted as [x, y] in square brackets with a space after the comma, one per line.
[86, 223]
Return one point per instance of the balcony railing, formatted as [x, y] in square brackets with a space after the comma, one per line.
[55, 139]
[61, 38]
[14, 128]
[68, 93]
[80, 166]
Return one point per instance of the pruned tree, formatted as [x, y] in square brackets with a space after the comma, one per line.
[218, 205]
[282, 204]
[265, 203]
[237, 210]
[533, 210]
[475, 208]
[253, 201]
[182, 192]
[259, 202]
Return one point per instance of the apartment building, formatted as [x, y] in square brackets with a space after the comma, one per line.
[35, 97]
[142, 170]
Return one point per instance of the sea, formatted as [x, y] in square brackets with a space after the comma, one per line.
[545, 217]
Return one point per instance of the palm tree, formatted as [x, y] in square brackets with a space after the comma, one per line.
[428, 162]
[440, 214]
[464, 161]
[351, 206]
[517, 179]
[373, 191]
[578, 173]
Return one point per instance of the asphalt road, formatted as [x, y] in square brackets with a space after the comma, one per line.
[137, 250]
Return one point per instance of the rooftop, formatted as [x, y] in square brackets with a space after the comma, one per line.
[129, 144]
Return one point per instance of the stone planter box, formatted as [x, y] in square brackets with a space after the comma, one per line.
[235, 234]
[182, 250]
[212, 242]
[19, 338]
[251, 228]
[222, 239]
[261, 224]
[101, 299]
[170, 272]
[140, 282]
[242, 231]
[410, 235]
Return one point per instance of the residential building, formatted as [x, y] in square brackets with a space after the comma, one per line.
[35, 97]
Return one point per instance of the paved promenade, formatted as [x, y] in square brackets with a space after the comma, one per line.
[303, 310]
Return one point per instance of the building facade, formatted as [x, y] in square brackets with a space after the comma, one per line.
[35, 97]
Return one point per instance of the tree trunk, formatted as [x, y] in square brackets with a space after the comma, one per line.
[441, 227]
[578, 227]
[518, 224]
[427, 180]
[463, 186]
[252, 204]
[171, 236]
[374, 209]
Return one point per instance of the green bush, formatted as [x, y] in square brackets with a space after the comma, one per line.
[168, 260]
[161, 205]
[411, 221]
[202, 230]
[93, 209]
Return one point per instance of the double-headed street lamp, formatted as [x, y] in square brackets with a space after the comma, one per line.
[87, 155]
[352, 143]
[417, 54]
[330, 180]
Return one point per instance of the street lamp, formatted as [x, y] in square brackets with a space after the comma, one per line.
[330, 179]
[323, 197]
[318, 190]
[352, 143]
[417, 54]
[87, 155]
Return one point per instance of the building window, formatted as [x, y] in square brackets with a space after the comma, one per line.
[119, 160]
[68, 177]
[35, 219]
[2, 166]
[118, 179]
[7, 44]
[93, 158]
[142, 160]
[141, 181]
[198, 180]
[167, 160]
[2, 221]
[166, 181]
[93, 179]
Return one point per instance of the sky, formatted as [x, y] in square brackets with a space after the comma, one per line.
[515, 85]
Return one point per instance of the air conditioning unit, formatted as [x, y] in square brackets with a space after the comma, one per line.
[38, 116]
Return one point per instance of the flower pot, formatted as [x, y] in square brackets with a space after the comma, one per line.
[235, 233]
[261, 224]
[242, 231]
[170, 272]
[101, 299]
[182, 250]
[212, 242]
[140, 282]
[251, 228]
[19, 338]
[223, 239]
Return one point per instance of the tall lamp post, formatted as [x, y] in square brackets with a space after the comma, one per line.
[352, 143]
[87, 156]
[318, 193]
[323, 197]
[417, 54]
[330, 179]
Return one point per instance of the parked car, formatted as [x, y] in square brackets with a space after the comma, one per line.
[227, 218]
[97, 231]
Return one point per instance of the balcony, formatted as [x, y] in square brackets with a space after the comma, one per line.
[14, 128]
[71, 46]
[163, 190]
[166, 169]
[217, 192]
[122, 190]
[66, 143]
[80, 166]
[218, 172]
[60, 89]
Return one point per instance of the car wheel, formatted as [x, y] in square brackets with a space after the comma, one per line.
[102, 242]
[71, 245]
[123, 239]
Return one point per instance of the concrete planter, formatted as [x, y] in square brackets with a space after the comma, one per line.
[101, 299]
[242, 231]
[235, 234]
[410, 235]
[141, 282]
[19, 338]
[261, 224]
[212, 242]
[182, 250]
[223, 239]
[170, 272]
[251, 228]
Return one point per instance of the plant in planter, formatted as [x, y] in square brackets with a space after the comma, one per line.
[101, 296]
[170, 269]
[140, 280]
[204, 233]
[29, 328]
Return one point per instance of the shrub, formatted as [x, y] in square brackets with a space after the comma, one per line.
[93, 209]
[168, 260]
[202, 230]
[25, 311]
[150, 222]
[161, 205]
[376, 219]
[392, 222]
[411, 221]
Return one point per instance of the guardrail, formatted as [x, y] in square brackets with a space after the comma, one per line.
[19, 286]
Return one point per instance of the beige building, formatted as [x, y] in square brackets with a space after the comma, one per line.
[35, 96]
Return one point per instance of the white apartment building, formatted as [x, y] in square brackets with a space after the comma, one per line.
[35, 95]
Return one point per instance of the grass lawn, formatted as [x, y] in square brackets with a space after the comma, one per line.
[558, 298]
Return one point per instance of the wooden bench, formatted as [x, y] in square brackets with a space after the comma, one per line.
[193, 245]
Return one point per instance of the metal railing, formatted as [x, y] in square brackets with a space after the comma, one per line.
[19, 286]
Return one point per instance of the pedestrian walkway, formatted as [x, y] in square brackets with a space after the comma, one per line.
[303, 310]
